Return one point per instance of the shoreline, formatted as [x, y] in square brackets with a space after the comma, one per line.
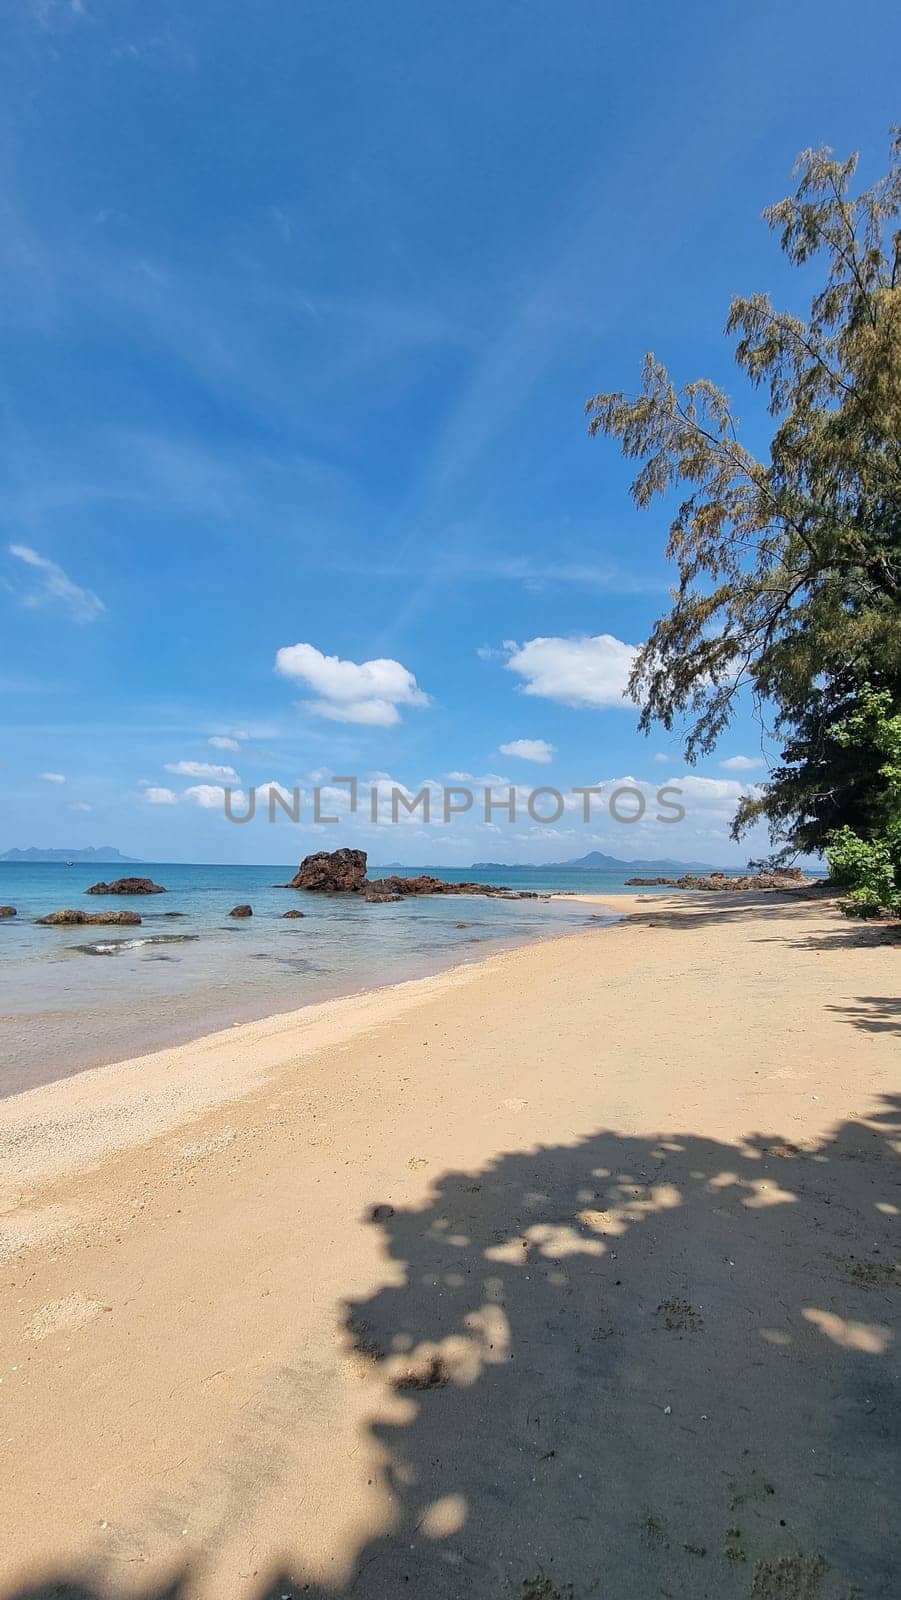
[132, 1101]
[106, 1031]
[432, 1287]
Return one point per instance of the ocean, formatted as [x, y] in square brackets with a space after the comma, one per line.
[76, 997]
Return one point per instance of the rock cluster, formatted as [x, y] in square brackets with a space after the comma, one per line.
[780, 878]
[127, 886]
[344, 872]
[398, 888]
[7, 911]
[76, 919]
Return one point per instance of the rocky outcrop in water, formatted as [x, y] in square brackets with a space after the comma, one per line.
[344, 872]
[399, 888]
[77, 919]
[331, 872]
[241, 911]
[127, 886]
[7, 911]
[295, 913]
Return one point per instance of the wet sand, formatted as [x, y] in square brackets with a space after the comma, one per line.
[565, 1274]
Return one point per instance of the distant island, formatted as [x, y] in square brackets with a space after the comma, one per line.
[102, 852]
[595, 861]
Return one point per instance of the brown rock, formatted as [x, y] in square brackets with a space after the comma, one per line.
[7, 911]
[241, 911]
[648, 883]
[380, 888]
[331, 872]
[77, 919]
[127, 886]
[780, 878]
[295, 913]
[344, 872]
[376, 895]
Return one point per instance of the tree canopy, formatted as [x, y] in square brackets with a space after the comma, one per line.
[789, 568]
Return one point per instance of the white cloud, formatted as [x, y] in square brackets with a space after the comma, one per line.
[160, 797]
[661, 759]
[529, 750]
[201, 769]
[211, 797]
[743, 764]
[80, 805]
[220, 742]
[590, 672]
[52, 777]
[54, 584]
[367, 692]
[263, 791]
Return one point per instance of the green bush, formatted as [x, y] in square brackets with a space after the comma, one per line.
[870, 869]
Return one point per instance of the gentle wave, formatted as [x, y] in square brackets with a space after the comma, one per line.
[114, 947]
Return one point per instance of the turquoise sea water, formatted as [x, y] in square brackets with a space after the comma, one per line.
[75, 997]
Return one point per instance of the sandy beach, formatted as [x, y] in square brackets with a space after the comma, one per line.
[565, 1274]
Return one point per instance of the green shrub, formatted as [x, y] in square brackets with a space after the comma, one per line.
[870, 869]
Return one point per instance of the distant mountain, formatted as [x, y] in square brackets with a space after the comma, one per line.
[102, 852]
[595, 861]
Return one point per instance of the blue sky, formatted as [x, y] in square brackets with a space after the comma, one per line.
[299, 309]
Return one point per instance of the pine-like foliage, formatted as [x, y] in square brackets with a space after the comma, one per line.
[789, 569]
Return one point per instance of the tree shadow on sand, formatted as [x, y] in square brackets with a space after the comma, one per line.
[624, 1369]
[687, 913]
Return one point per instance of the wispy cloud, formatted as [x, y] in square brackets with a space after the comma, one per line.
[201, 769]
[52, 777]
[53, 584]
[56, 16]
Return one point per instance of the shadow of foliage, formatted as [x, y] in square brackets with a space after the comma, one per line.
[625, 1368]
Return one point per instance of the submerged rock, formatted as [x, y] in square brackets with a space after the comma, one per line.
[127, 886]
[7, 911]
[295, 913]
[78, 919]
[241, 911]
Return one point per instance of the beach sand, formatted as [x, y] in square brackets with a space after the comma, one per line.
[568, 1274]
